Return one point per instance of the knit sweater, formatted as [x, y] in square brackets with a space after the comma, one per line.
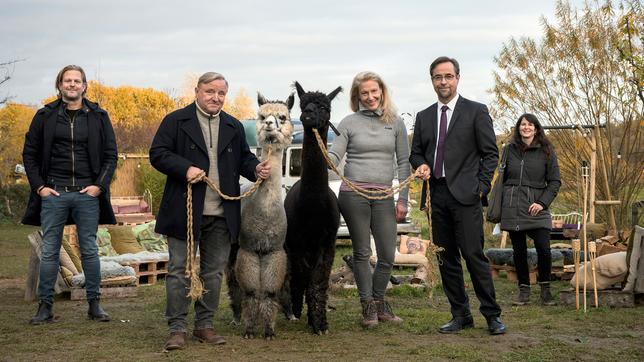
[374, 149]
[210, 128]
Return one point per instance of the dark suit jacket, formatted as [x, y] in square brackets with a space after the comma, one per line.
[179, 144]
[470, 151]
[101, 146]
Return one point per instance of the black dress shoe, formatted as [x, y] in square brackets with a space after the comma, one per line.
[495, 326]
[457, 324]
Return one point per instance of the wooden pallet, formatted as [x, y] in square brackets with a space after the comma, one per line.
[511, 273]
[149, 272]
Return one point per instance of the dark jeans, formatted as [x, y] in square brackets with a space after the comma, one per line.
[84, 210]
[459, 229]
[214, 247]
[363, 217]
[541, 238]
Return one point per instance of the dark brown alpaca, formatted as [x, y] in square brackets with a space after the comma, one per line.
[313, 216]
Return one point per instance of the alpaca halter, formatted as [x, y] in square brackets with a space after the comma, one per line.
[196, 284]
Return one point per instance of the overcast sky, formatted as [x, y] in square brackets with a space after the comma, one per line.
[262, 45]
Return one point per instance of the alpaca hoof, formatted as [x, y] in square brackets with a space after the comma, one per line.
[292, 318]
[248, 335]
[269, 337]
[322, 332]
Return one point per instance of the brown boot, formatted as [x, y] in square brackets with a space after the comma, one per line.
[524, 295]
[369, 314]
[208, 335]
[385, 313]
[177, 340]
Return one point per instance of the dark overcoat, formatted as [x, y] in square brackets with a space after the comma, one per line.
[178, 144]
[530, 177]
[36, 155]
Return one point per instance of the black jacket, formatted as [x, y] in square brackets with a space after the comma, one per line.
[529, 177]
[470, 151]
[102, 151]
[179, 144]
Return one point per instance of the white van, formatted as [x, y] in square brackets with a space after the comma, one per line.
[292, 170]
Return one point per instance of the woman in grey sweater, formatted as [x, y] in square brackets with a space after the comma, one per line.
[374, 140]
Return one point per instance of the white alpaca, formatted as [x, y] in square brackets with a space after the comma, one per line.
[261, 263]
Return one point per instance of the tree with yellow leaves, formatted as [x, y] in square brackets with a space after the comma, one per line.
[14, 123]
[587, 69]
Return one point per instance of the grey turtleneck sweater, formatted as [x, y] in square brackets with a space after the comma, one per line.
[373, 148]
[210, 127]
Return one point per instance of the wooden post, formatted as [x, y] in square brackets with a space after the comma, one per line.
[593, 175]
[576, 249]
[584, 175]
[604, 163]
[592, 252]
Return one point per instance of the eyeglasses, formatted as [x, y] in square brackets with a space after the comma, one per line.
[447, 77]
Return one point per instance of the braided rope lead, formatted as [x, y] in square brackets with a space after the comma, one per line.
[385, 193]
[192, 269]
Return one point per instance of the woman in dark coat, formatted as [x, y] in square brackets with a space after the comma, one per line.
[531, 183]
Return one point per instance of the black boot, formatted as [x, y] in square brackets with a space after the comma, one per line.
[95, 312]
[546, 296]
[44, 315]
[524, 295]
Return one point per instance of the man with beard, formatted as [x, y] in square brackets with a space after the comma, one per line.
[69, 156]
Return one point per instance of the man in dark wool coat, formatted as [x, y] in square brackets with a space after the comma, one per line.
[69, 156]
[198, 140]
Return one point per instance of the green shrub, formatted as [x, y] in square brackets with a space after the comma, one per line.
[153, 180]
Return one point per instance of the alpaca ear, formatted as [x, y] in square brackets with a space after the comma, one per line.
[290, 101]
[334, 93]
[260, 99]
[300, 90]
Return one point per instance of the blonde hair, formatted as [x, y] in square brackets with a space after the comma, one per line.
[387, 106]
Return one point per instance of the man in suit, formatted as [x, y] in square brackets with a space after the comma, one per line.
[199, 140]
[455, 148]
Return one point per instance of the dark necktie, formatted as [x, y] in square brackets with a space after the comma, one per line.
[438, 163]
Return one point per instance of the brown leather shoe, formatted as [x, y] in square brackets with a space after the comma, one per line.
[177, 340]
[208, 335]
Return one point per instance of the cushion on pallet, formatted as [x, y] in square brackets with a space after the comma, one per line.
[148, 239]
[66, 261]
[73, 255]
[104, 243]
[610, 269]
[123, 239]
[109, 269]
[67, 275]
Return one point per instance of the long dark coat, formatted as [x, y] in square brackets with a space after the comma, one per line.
[179, 144]
[36, 155]
[530, 177]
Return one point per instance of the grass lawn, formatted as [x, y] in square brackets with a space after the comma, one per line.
[138, 329]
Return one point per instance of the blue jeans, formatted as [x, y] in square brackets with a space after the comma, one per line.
[84, 210]
[214, 247]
